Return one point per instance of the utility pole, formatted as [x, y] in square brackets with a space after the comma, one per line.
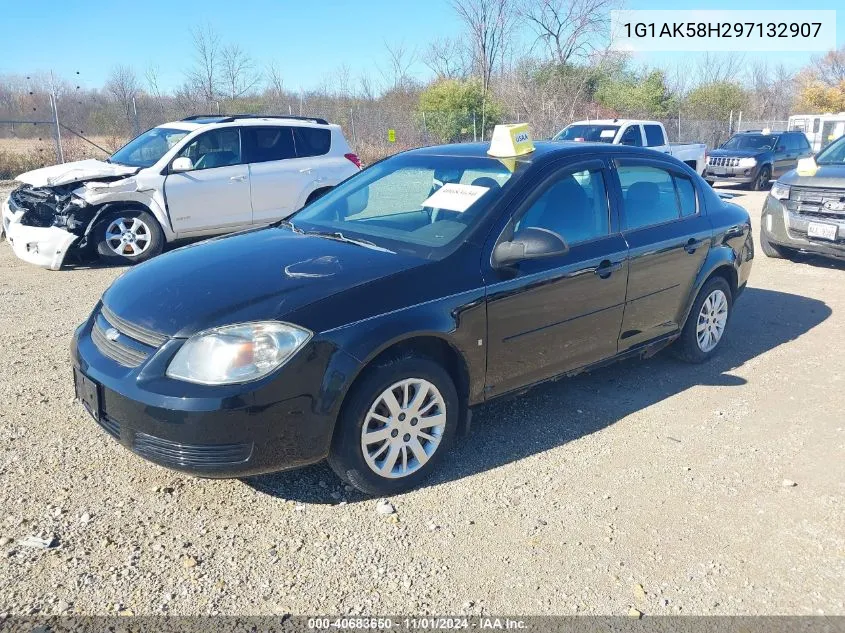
[60, 155]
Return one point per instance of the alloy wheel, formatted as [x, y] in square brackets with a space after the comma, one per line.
[712, 319]
[403, 428]
[128, 237]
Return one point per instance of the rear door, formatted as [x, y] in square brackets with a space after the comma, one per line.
[668, 238]
[214, 196]
[547, 316]
[277, 178]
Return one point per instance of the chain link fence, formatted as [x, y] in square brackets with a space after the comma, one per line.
[374, 129]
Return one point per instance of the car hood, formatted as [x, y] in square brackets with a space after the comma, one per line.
[737, 153]
[829, 176]
[250, 276]
[77, 171]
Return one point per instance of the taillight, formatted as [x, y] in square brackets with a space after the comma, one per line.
[354, 158]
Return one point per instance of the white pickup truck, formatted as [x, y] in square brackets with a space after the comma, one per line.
[649, 134]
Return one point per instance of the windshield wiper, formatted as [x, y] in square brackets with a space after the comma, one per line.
[340, 237]
[289, 224]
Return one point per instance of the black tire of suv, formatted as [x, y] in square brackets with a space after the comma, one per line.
[108, 256]
[346, 457]
[686, 347]
[771, 250]
[763, 178]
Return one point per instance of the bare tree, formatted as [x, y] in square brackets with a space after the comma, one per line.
[447, 58]
[204, 77]
[830, 69]
[123, 87]
[237, 72]
[400, 60]
[570, 30]
[490, 23]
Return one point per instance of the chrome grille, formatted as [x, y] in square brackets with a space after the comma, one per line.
[118, 352]
[209, 456]
[817, 201]
[148, 337]
[722, 161]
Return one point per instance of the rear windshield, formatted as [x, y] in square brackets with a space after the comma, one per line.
[588, 132]
[752, 141]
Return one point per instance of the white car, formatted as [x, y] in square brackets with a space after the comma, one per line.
[201, 176]
[650, 134]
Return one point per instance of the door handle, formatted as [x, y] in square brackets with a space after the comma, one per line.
[237, 178]
[607, 268]
[691, 245]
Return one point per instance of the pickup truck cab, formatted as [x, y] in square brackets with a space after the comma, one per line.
[637, 133]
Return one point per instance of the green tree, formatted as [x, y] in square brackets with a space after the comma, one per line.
[450, 105]
[715, 101]
[637, 95]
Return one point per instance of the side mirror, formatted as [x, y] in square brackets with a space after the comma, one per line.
[183, 163]
[529, 243]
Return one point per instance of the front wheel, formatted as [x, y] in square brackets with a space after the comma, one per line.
[128, 237]
[763, 178]
[706, 324]
[395, 426]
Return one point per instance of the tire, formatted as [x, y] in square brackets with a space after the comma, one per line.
[347, 456]
[763, 178]
[119, 237]
[771, 250]
[687, 346]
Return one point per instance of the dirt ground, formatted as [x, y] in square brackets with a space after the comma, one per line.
[650, 484]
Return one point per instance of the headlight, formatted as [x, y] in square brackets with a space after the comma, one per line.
[747, 162]
[237, 353]
[780, 191]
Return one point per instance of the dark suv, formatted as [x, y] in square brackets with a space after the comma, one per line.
[754, 157]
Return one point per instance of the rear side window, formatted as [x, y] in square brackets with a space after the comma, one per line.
[653, 135]
[269, 143]
[686, 195]
[650, 196]
[311, 141]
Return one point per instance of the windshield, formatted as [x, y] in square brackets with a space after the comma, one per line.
[588, 132]
[147, 149]
[751, 141]
[409, 202]
[833, 154]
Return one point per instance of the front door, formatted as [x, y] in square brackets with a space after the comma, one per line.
[668, 237]
[548, 316]
[214, 195]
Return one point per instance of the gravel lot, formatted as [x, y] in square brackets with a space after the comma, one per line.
[652, 485]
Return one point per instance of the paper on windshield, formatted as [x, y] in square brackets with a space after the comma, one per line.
[607, 133]
[454, 196]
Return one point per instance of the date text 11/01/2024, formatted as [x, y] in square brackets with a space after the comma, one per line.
[682, 30]
[422, 623]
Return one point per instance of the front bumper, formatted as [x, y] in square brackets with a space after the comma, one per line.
[42, 246]
[277, 423]
[783, 227]
[742, 175]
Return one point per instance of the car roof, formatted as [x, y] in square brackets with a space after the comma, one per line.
[224, 121]
[542, 150]
[619, 122]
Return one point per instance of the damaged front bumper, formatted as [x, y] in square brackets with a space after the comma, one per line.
[42, 246]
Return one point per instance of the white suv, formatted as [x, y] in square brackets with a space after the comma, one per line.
[203, 175]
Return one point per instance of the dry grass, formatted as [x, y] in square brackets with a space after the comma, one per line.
[18, 155]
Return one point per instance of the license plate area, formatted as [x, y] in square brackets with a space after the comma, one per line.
[822, 231]
[87, 392]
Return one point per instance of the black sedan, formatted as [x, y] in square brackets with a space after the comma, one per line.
[365, 327]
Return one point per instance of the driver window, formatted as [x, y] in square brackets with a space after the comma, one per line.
[218, 148]
[632, 136]
[574, 206]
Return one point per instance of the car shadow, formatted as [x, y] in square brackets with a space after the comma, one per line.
[555, 413]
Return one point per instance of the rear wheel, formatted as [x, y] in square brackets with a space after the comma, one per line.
[128, 237]
[706, 324]
[395, 426]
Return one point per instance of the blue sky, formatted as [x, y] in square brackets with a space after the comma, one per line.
[307, 40]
